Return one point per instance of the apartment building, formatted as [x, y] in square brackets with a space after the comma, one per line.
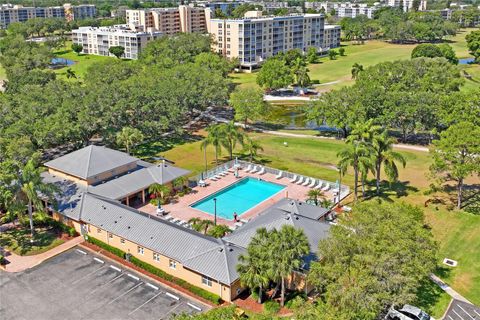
[254, 39]
[17, 13]
[226, 7]
[169, 20]
[407, 5]
[344, 9]
[331, 36]
[98, 40]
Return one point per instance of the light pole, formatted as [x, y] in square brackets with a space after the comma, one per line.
[215, 210]
[339, 183]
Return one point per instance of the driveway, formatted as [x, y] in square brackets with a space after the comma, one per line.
[81, 285]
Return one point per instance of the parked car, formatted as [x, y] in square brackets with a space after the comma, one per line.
[407, 312]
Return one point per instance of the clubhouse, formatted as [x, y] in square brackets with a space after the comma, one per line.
[99, 186]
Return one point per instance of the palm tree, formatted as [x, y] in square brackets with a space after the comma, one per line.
[314, 194]
[206, 224]
[325, 203]
[71, 74]
[356, 155]
[356, 70]
[180, 182]
[300, 72]
[196, 224]
[160, 191]
[384, 154]
[203, 146]
[290, 246]
[214, 138]
[129, 137]
[254, 268]
[29, 188]
[218, 231]
[251, 147]
[363, 132]
[231, 136]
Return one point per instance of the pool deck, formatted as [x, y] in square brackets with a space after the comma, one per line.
[180, 208]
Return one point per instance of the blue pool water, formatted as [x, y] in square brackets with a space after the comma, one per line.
[239, 197]
[62, 61]
[466, 60]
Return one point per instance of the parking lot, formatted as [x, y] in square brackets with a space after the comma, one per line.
[80, 285]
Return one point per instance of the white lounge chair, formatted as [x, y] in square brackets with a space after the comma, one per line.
[202, 183]
[218, 177]
[254, 170]
[181, 222]
[214, 178]
[262, 171]
[279, 175]
[168, 217]
[238, 224]
[249, 168]
[244, 220]
[300, 181]
[320, 184]
[176, 220]
[311, 185]
[223, 173]
[326, 188]
[294, 179]
[233, 228]
[307, 182]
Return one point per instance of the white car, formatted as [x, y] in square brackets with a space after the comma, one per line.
[407, 312]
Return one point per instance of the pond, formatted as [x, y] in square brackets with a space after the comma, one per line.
[62, 62]
[466, 61]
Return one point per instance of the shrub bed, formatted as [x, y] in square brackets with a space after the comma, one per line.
[157, 272]
[103, 245]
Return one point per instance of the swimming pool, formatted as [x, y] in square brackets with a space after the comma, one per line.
[238, 197]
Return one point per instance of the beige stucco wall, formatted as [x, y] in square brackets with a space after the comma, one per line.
[98, 178]
[180, 272]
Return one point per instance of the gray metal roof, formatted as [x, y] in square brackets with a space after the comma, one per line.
[301, 208]
[197, 252]
[275, 217]
[90, 161]
[138, 180]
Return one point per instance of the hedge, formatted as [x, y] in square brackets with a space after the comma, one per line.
[159, 273]
[103, 245]
[182, 283]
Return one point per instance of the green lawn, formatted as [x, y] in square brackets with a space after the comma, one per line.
[82, 62]
[3, 75]
[370, 53]
[457, 232]
[18, 241]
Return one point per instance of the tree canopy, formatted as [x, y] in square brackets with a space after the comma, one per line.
[372, 259]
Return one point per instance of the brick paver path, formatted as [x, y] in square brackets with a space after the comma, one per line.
[16, 263]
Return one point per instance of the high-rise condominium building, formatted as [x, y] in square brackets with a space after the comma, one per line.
[407, 5]
[344, 9]
[254, 39]
[17, 13]
[331, 36]
[169, 20]
[98, 40]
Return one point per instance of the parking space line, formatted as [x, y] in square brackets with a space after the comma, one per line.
[172, 296]
[99, 261]
[101, 286]
[87, 275]
[151, 286]
[170, 311]
[194, 306]
[80, 251]
[125, 293]
[133, 277]
[146, 302]
[115, 268]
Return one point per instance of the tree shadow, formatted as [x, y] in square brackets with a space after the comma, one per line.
[428, 295]
[471, 199]
[151, 150]
[389, 190]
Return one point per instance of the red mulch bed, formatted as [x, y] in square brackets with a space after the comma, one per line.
[244, 301]
[99, 250]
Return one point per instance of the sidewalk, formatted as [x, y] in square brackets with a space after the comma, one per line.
[16, 263]
[445, 287]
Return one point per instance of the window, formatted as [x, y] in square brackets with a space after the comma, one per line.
[206, 281]
[99, 230]
[156, 256]
[140, 250]
[172, 264]
[122, 241]
[110, 235]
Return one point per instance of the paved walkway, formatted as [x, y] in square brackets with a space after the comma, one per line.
[445, 287]
[18, 263]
